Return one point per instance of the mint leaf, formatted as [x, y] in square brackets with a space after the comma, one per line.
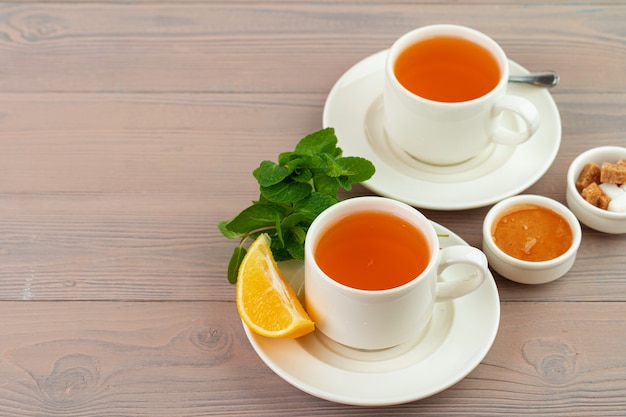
[292, 192]
[299, 233]
[345, 182]
[354, 169]
[280, 252]
[322, 141]
[357, 169]
[333, 169]
[223, 228]
[327, 185]
[295, 243]
[302, 175]
[270, 173]
[235, 263]
[292, 220]
[313, 205]
[256, 216]
[286, 192]
[285, 157]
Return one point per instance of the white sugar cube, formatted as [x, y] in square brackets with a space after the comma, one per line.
[612, 190]
[618, 204]
[623, 187]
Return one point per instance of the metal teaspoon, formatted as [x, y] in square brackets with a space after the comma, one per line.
[540, 79]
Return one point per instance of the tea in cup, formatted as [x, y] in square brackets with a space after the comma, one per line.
[445, 94]
[371, 272]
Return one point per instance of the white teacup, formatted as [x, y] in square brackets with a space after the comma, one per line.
[443, 125]
[385, 314]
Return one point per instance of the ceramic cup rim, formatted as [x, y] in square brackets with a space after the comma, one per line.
[329, 217]
[430, 31]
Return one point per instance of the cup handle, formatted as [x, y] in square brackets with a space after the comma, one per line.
[526, 111]
[460, 255]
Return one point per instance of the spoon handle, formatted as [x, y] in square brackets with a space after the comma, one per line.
[540, 79]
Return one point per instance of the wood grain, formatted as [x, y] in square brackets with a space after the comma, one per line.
[128, 130]
[126, 197]
[192, 358]
[213, 47]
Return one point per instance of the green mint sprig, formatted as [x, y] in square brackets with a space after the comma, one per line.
[293, 192]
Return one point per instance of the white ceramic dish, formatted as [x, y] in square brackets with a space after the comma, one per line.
[354, 109]
[452, 346]
[527, 272]
[592, 216]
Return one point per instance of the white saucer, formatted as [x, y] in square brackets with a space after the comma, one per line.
[354, 109]
[457, 339]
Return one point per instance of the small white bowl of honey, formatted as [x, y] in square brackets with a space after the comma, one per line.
[531, 239]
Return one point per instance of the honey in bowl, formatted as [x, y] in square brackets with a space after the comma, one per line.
[532, 233]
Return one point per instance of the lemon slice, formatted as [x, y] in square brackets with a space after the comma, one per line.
[266, 303]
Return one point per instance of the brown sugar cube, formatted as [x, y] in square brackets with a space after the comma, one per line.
[588, 175]
[603, 202]
[613, 173]
[592, 193]
[621, 162]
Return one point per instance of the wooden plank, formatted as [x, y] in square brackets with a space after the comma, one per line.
[145, 142]
[135, 247]
[198, 143]
[192, 358]
[167, 247]
[124, 199]
[537, 3]
[112, 247]
[278, 47]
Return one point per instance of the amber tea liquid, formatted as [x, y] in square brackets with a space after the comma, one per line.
[372, 250]
[447, 69]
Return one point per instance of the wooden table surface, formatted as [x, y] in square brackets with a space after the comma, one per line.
[129, 129]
